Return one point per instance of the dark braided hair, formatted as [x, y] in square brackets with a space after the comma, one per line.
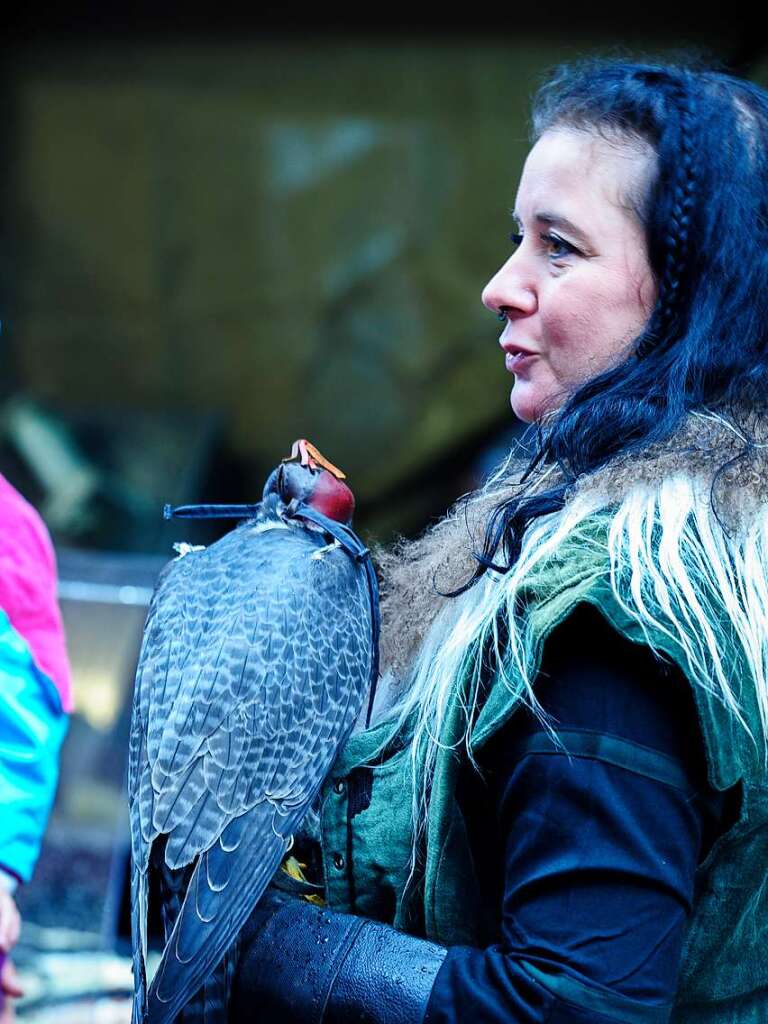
[679, 138]
[705, 214]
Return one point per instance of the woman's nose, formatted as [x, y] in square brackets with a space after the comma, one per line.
[509, 290]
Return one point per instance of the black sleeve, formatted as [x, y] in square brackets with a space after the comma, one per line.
[600, 842]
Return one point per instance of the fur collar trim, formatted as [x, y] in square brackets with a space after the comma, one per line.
[725, 453]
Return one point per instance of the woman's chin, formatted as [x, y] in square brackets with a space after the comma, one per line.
[530, 403]
[524, 401]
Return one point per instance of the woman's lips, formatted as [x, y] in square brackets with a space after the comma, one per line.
[516, 361]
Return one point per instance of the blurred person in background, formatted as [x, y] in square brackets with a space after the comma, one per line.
[35, 700]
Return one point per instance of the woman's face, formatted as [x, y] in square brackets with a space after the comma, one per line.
[578, 289]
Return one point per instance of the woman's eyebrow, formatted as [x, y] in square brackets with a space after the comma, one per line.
[556, 220]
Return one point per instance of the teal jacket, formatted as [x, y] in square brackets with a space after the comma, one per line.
[33, 724]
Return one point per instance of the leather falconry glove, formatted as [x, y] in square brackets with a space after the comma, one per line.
[304, 964]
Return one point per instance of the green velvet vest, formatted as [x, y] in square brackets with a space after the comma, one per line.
[366, 853]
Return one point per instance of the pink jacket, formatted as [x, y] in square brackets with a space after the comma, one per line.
[28, 585]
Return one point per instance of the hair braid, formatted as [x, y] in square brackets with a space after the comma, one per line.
[676, 239]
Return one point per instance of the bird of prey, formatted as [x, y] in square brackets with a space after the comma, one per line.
[257, 656]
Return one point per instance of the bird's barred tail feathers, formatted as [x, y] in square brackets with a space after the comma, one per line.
[139, 929]
[209, 921]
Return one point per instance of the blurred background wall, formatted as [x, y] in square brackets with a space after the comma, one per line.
[218, 237]
[216, 242]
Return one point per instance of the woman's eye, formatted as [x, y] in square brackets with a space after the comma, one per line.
[557, 246]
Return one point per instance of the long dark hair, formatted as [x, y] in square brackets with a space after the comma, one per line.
[706, 222]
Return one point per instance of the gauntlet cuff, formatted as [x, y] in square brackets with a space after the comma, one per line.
[303, 964]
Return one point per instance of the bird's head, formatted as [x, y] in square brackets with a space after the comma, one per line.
[309, 477]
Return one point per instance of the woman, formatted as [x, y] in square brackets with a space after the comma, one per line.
[581, 735]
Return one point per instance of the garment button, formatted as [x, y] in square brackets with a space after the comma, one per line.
[338, 861]
[340, 787]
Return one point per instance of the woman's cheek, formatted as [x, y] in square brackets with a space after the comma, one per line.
[569, 341]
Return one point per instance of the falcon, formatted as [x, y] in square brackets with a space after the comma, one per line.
[257, 656]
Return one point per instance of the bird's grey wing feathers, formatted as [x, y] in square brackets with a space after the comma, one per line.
[254, 667]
